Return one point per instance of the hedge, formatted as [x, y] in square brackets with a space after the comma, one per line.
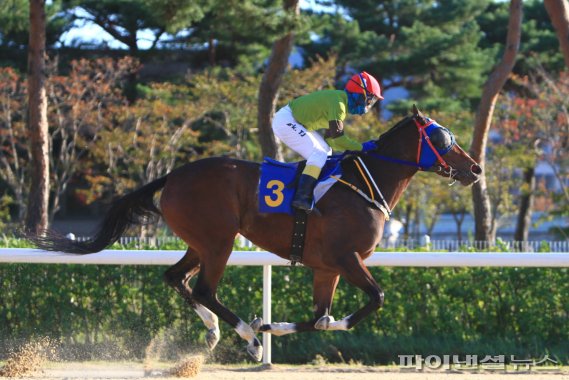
[114, 312]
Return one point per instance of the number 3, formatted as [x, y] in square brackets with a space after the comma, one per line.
[277, 188]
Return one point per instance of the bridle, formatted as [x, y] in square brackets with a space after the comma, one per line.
[424, 136]
[427, 154]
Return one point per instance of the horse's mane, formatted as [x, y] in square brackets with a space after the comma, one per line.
[383, 137]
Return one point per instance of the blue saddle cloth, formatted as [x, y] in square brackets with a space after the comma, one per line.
[277, 184]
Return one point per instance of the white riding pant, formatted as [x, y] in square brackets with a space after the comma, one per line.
[309, 144]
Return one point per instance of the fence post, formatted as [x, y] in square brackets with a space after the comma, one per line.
[267, 312]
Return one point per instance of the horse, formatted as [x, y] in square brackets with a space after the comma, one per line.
[209, 201]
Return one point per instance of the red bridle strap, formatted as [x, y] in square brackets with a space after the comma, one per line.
[423, 133]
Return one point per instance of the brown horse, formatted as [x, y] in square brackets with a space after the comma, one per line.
[207, 202]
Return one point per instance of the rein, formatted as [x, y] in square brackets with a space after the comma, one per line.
[365, 174]
[394, 160]
[368, 179]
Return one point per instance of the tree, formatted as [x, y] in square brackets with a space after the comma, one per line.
[558, 11]
[550, 118]
[230, 119]
[431, 48]
[123, 20]
[14, 138]
[538, 50]
[146, 142]
[37, 212]
[490, 93]
[270, 83]
[538, 41]
[14, 22]
[458, 204]
[237, 32]
[523, 222]
[519, 131]
[82, 103]
[430, 208]
[505, 182]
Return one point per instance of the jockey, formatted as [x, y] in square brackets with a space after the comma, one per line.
[297, 123]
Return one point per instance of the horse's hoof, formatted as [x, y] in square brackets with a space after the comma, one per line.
[211, 338]
[256, 324]
[255, 349]
[324, 322]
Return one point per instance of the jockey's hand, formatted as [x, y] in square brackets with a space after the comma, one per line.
[369, 145]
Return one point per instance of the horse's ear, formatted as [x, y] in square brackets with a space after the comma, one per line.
[416, 111]
[418, 114]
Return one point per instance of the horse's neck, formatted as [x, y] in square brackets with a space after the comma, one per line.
[392, 179]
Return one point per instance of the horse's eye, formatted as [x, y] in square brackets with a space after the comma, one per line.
[441, 138]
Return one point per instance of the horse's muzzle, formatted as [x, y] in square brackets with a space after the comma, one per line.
[471, 177]
[476, 169]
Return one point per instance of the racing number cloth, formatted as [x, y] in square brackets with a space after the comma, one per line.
[275, 190]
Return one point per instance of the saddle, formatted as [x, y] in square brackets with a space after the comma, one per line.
[278, 183]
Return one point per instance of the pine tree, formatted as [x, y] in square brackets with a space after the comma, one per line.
[430, 48]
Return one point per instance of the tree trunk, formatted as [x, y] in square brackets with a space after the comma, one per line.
[491, 90]
[37, 213]
[558, 11]
[526, 206]
[459, 230]
[211, 50]
[407, 222]
[482, 211]
[458, 219]
[269, 88]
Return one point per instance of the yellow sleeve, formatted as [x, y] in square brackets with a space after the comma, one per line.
[344, 143]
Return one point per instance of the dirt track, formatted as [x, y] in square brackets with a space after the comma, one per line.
[61, 371]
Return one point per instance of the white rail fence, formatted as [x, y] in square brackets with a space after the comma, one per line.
[267, 260]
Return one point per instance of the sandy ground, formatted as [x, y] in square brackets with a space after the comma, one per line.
[64, 371]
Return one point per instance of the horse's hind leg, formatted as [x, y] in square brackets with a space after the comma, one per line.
[178, 277]
[205, 289]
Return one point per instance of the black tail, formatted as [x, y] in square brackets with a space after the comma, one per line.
[131, 209]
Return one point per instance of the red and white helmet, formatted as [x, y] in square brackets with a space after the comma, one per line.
[364, 83]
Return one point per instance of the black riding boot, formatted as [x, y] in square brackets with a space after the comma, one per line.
[304, 193]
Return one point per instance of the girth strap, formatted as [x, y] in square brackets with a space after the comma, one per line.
[298, 236]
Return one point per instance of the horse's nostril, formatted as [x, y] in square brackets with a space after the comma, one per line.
[476, 169]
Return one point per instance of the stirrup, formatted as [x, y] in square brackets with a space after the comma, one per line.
[302, 205]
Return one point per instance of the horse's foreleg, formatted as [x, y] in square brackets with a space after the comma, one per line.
[178, 277]
[324, 287]
[356, 273]
[353, 269]
[212, 267]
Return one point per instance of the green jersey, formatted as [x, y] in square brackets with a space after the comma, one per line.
[315, 110]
